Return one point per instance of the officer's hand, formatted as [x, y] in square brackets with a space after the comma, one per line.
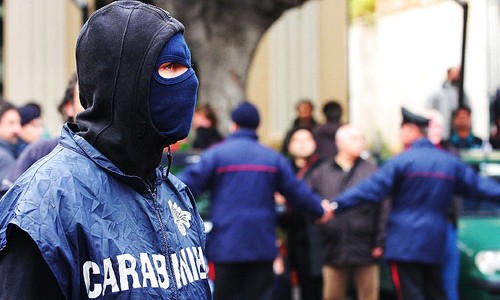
[377, 252]
[327, 211]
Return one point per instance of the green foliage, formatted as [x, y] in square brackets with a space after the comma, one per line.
[361, 9]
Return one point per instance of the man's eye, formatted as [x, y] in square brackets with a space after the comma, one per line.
[169, 66]
[171, 69]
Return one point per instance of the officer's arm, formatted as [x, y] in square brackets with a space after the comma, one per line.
[24, 274]
[471, 184]
[296, 191]
[198, 176]
[372, 189]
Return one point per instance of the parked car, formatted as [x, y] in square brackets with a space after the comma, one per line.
[479, 235]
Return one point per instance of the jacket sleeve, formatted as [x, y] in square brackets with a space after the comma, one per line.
[24, 274]
[471, 184]
[373, 188]
[296, 191]
[197, 177]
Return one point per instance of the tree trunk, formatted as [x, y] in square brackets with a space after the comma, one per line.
[223, 36]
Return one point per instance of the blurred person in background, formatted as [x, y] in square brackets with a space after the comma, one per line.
[10, 127]
[462, 137]
[435, 131]
[242, 177]
[325, 133]
[31, 125]
[302, 233]
[70, 104]
[495, 134]
[445, 99]
[204, 127]
[69, 107]
[352, 243]
[304, 110]
[305, 115]
[495, 117]
[422, 182]
[451, 264]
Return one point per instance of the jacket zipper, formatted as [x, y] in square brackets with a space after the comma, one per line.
[164, 233]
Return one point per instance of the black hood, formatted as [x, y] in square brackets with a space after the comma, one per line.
[116, 53]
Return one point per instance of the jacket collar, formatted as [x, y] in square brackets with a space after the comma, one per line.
[69, 139]
[422, 143]
[244, 133]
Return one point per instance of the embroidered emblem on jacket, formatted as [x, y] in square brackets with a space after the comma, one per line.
[181, 218]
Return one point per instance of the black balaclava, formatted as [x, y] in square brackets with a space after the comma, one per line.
[116, 55]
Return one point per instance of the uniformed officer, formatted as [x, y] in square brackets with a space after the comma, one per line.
[422, 181]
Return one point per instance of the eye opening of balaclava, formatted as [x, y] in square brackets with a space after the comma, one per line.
[172, 100]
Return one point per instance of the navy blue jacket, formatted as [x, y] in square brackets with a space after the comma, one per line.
[129, 244]
[422, 182]
[242, 177]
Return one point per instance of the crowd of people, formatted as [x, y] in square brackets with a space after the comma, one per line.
[331, 158]
[98, 215]
[341, 256]
[20, 126]
[370, 223]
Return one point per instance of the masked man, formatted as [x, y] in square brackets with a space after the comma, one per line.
[98, 217]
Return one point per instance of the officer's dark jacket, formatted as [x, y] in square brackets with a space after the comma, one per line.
[242, 177]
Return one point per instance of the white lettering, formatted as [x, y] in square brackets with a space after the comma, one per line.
[87, 266]
[193, 264]
[188, 265]
[200, 263]
[148, 272]
[109, 277]
[161, 269]
[177, 274]
[184, 267]
[126, 270]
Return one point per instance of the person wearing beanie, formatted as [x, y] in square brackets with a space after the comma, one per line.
[242, 177]
[98, 217]
[246, 115]
[31, 125]
[422, 182]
